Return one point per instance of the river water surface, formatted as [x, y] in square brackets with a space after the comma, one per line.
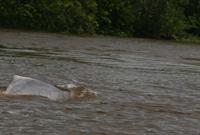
[145, 87]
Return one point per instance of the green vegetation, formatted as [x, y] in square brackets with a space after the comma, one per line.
[169, 19]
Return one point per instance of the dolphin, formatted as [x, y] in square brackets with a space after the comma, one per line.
[28, 86]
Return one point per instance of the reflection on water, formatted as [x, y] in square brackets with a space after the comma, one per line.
[144, 86]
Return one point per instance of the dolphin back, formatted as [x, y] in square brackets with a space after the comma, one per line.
[28, 86]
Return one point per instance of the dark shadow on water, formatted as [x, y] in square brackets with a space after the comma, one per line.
[191, 61]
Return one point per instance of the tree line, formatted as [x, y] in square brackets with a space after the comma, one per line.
[136, 18]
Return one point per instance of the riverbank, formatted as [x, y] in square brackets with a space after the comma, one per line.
[189, 40]
[160, 19]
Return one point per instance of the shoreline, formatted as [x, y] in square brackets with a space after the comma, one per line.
[192, 40]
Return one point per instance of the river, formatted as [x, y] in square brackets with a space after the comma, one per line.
[145, 87]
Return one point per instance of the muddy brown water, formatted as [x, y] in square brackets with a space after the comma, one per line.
[145, 87]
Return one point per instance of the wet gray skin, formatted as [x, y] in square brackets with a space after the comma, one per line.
[146, 87]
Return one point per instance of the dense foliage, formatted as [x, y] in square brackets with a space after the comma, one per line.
[140, 18]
